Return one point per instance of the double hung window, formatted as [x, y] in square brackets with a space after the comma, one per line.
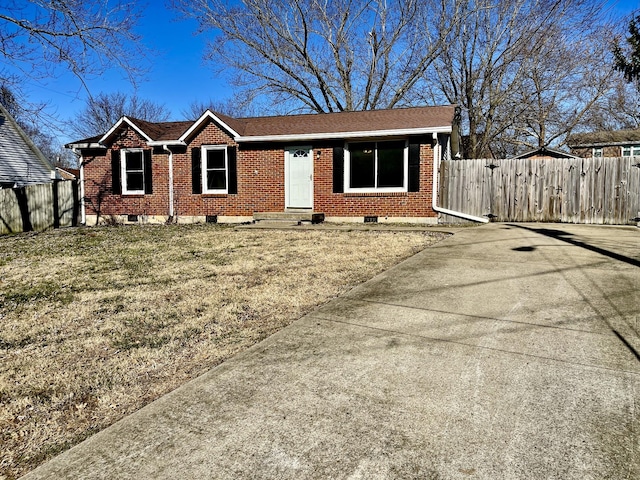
[132, 171]
[215, 167]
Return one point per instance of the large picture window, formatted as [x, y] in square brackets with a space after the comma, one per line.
[214, 169]
[376, 166]
[132, 171]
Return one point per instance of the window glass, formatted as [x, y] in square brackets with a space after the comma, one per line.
[215, 159]
[216, 180]
[390, 164]
[362, 167]
[374, 165]
[135, 181]
[597, 152]
[134, 161]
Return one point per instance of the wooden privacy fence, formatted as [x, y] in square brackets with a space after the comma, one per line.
[586, 190]
[39, 207]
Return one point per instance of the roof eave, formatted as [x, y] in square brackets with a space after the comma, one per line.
[168, 143]
[543, 150]
[343, 135]
[117, 125]
[605, 144]
[208, 115]
[85, 146]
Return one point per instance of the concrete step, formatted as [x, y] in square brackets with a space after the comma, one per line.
[291, 216]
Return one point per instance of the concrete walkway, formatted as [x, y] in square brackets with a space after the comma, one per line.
[504, 352]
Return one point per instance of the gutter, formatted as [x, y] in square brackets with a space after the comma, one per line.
[302, 137]
[86, 146]
[165, 147]
[434, 197]
[166, 143]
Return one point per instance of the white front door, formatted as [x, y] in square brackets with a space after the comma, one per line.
[298, 172]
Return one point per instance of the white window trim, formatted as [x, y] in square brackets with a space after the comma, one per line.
[631, 150]
[347, 169]
[597, 150]
[123, 172]
[203, 169]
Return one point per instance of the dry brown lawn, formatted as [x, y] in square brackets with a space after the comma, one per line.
[95, 323]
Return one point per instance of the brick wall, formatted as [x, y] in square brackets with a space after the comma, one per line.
[410, 204]
[610, 151]
[260, 174]
[99, 188]
[260, 179]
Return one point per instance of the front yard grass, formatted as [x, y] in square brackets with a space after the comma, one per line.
[97, 322]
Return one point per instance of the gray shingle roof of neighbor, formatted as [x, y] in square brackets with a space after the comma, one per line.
[21, 162]
[370, 121]
[544, 151]
[612, 137]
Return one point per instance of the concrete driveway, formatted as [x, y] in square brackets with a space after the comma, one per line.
[504, 352]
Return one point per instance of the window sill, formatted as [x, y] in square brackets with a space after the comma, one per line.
[376, 194]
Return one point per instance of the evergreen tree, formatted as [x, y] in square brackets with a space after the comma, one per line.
[628, 60]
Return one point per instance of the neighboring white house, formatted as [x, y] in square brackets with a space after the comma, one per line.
[21, 162]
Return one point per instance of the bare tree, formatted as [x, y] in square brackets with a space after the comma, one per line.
[84, 37]
[235, 107]
[619, 109]
[524, 72]
[325, 56]
[564, 83]
[40, 39]
[105, 109]
[520, 78]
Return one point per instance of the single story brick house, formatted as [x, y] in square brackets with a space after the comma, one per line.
[613, 143]
[376, 165]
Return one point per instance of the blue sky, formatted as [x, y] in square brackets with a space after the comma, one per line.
[178, 75]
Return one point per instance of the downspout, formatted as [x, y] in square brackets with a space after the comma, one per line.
[436, 173]
[83, 212]
[166, 148]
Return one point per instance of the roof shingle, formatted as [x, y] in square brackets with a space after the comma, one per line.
[370, 121]
[342, 122]
[611, 137]
[162, 130]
